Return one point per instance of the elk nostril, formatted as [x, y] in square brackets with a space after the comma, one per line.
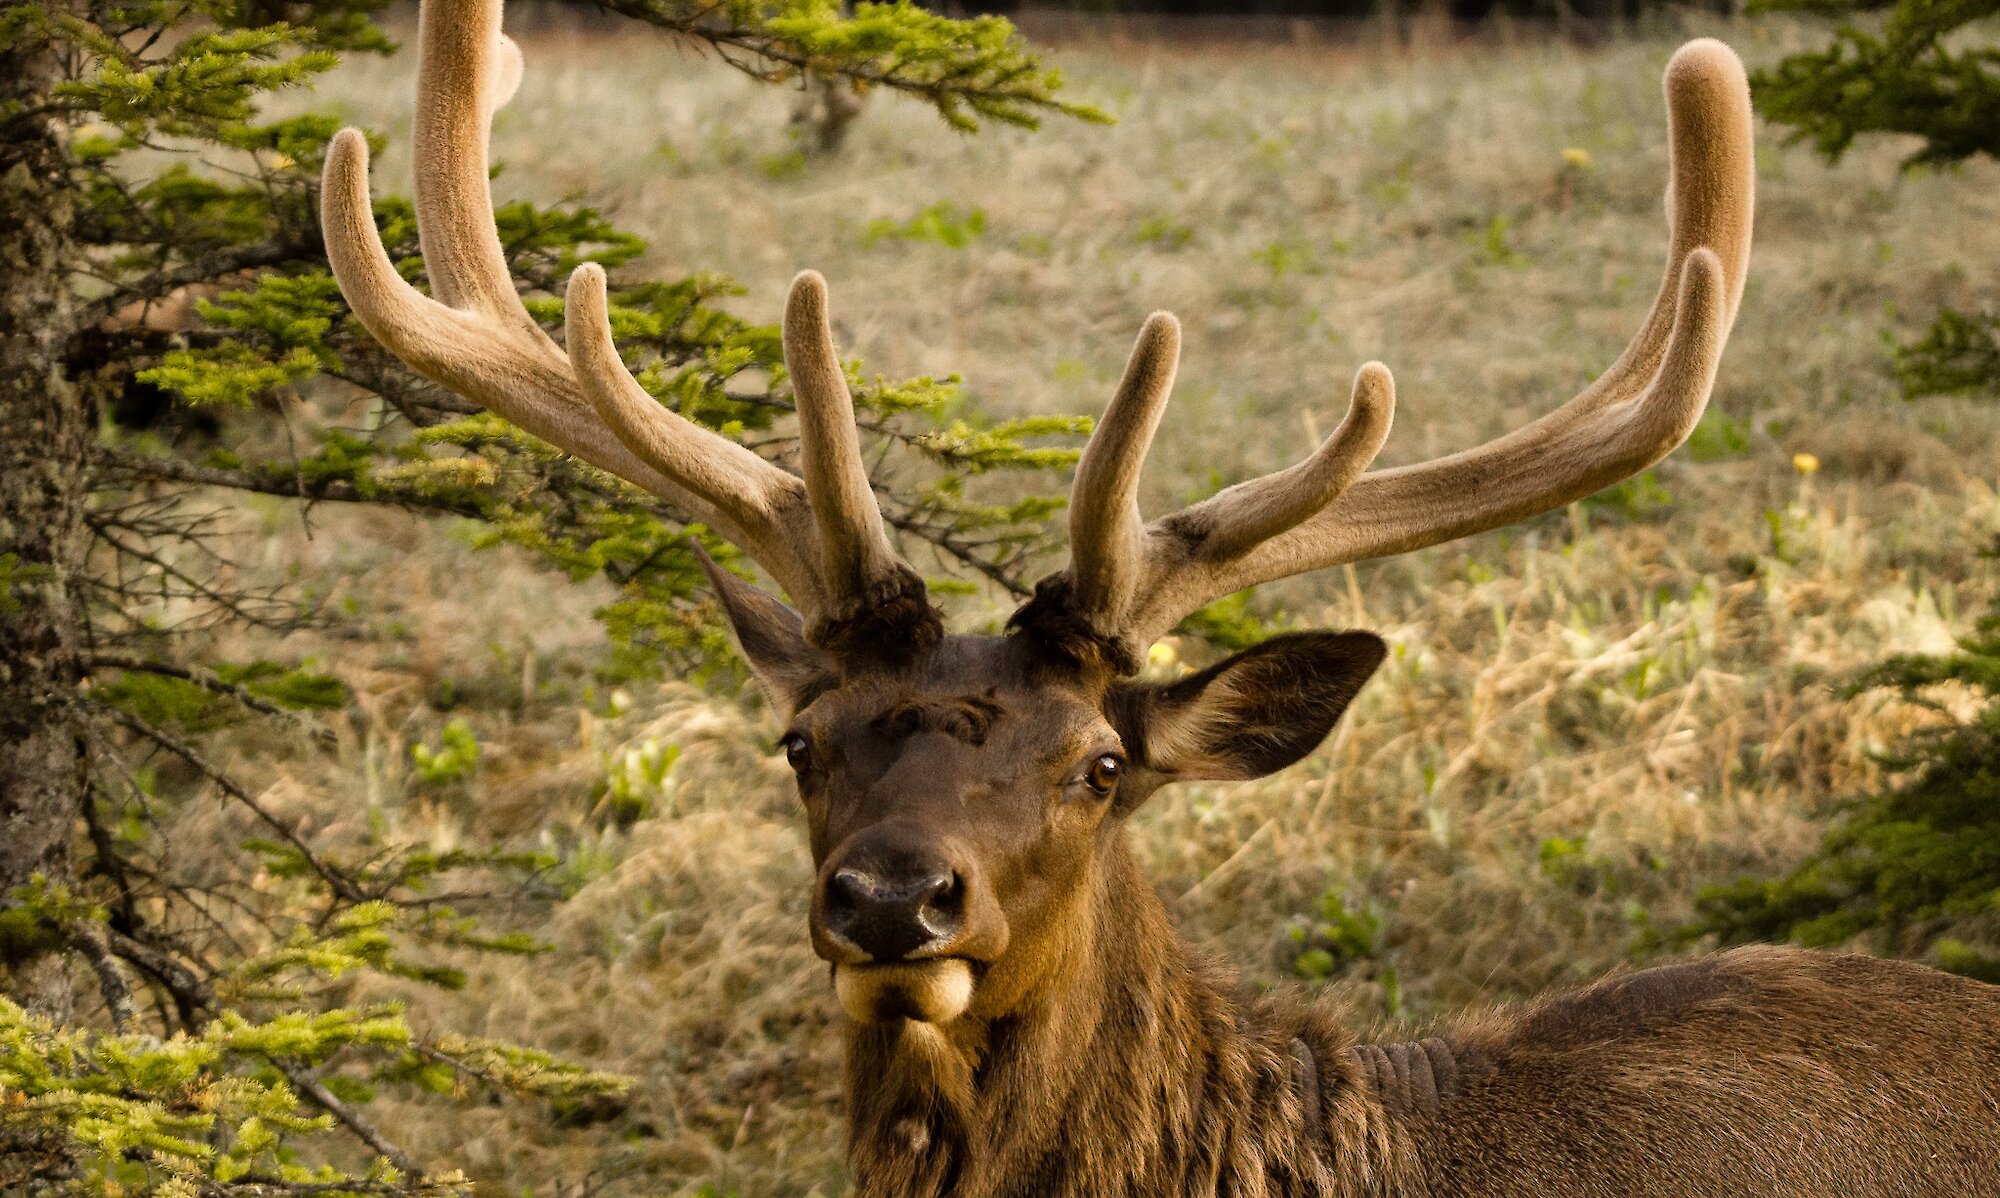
[939, 899]
[849, 889]
[928, 892]
[892, 918]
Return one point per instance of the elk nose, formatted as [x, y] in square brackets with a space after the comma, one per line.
[889, 918]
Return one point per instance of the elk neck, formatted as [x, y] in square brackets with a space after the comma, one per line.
[1130, 1068]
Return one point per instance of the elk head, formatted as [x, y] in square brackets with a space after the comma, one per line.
[964, 793]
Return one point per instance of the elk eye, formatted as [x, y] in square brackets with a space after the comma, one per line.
[1103, 774]
[798, 753]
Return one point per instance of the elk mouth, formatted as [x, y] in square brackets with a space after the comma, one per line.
[934, 990]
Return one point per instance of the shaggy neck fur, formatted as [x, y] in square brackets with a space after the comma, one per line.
[1134, 1071]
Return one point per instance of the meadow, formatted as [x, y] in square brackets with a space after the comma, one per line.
[1584, 719]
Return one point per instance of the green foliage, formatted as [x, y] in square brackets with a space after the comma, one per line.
[1162, 231]
[1633, 500]
[1914, 870]
[453, 759]
[1567, 862]
[1903, 73]
[1960, 355]
[967, 70]
[1492, 244]
[235, 1099]
[13, 577]
[193, 700]
[636, 779]
[1928, 69]
[944, 222]
[1718, 437]
[1231, 622]
[1334, 937]
[1341, 940]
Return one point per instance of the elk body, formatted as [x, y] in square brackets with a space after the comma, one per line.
[1023, 1020]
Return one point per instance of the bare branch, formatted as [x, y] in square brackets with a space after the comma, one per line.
[341, 884]
[88, 938]
[352, 1119]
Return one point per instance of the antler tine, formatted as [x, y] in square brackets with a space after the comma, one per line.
[860, 569]
[477, 338]
[1106, 528]
[1241, 517]
[1709, 202]
[462, 71]
[761, 498]
[1638, 411]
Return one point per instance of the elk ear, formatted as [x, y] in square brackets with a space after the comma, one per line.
[1252, 714]
[773, 640]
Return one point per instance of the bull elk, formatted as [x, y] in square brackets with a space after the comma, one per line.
[1022, 1019]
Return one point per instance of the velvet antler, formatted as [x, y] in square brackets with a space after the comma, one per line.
[820, 537]
[1129, 582]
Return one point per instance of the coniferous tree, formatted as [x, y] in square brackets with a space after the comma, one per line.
[1915, 870]
[169, 1018]
[1928, 69]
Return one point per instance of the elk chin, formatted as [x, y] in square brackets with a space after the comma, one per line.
[936, 991]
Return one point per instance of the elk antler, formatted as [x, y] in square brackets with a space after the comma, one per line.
[821, 538]
[1129, 582]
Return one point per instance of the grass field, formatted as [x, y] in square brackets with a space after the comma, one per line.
[1585, 718]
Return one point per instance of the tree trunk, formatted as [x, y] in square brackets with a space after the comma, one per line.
[45, 436]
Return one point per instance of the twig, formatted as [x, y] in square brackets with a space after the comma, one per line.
[205, 268]
[254, 1185]
[342, 884]
[87, 935]
[315, 1089]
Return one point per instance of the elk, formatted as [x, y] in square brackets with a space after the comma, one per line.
[1022, 1019]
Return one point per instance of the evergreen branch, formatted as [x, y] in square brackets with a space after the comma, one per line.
[195, 996]
[1906, 77]
[211, 682]
[257, 1185]
[213, 266]
[290, 486]
[954, 65]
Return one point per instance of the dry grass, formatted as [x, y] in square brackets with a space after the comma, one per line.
[1584, 720]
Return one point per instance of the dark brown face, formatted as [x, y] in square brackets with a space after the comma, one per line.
[961, 803]
[955, 810]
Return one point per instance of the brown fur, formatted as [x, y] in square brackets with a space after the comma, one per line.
[1763, 1071]
[1101, 1057]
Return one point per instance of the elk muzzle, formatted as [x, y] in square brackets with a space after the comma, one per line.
[903, 924]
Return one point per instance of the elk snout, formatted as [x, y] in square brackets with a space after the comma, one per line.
[891, 915]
